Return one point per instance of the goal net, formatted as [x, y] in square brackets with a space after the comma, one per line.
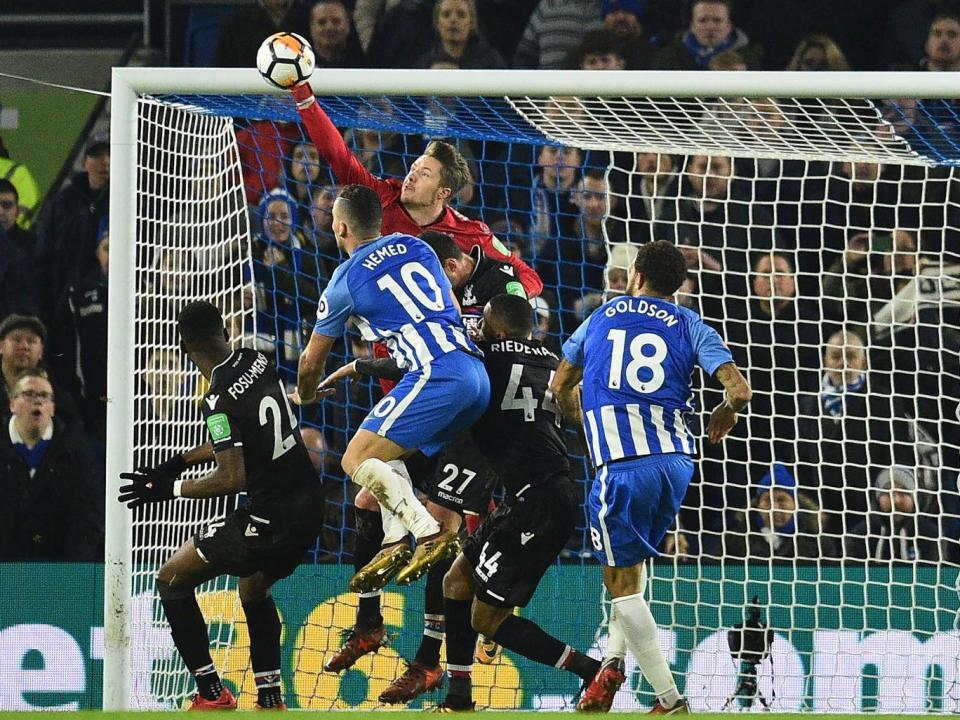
[823, 241]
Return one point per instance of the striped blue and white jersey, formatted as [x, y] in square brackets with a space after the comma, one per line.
[396, 292]
[638, 356]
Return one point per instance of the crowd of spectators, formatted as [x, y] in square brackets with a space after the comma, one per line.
[612, 34]
[53, 357]
[849, 446]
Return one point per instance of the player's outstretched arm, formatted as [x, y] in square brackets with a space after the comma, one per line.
[176, 464]
[228, 478]
[199, 455]
[152, 484]
[146, 487]
[310, 370]
[564, 389]
[344, 372]
[738, 394]
[329, 143]
[380, 368]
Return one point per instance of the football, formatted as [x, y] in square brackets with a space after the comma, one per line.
[284, 59]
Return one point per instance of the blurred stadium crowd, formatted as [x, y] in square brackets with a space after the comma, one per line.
[850, 447]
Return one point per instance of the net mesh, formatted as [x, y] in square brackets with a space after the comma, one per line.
[820, 237]
[192, 244]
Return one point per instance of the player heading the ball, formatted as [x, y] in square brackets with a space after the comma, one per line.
[393, 288]
[635, 356]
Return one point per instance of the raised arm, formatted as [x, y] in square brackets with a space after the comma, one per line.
[738, 394]
[329, 143]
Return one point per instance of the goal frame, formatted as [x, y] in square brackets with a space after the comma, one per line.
[129, 83]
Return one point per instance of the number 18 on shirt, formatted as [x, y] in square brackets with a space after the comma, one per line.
[638, 355]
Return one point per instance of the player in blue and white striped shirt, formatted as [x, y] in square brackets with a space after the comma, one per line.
[395, 291]
[635, 356]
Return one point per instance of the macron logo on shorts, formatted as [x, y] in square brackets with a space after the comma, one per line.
[525, 538]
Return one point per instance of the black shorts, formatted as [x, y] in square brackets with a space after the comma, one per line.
[244, 543]
[512, 549]
[462, 480]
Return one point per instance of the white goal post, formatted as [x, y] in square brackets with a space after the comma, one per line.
[598, 111]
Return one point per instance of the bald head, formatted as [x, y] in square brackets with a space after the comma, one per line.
[845, 357]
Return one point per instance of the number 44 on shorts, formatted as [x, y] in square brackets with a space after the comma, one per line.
[487, 566]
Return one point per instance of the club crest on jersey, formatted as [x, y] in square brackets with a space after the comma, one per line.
[468, 297]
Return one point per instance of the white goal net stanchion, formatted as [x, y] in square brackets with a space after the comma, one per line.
[819, 216]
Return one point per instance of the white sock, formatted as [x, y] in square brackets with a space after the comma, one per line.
[616, 642]
[393, 529]
[636, 622]
[393, 491]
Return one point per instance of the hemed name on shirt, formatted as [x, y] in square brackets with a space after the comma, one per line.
[381, 254]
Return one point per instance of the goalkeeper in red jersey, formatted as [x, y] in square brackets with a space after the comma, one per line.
[418, 202]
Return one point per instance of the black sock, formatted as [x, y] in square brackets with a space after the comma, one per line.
[433, 620]
[208, 682]
[528, 639]
[189, 631]
[369, 539]
[269, 692]
[421, 468]
[461, 644]
[263, 623]
[368, 611]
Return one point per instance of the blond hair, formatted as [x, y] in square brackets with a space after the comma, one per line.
[471, 10]
[836, 60]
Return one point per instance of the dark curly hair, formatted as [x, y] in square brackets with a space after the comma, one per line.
[663, 266]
